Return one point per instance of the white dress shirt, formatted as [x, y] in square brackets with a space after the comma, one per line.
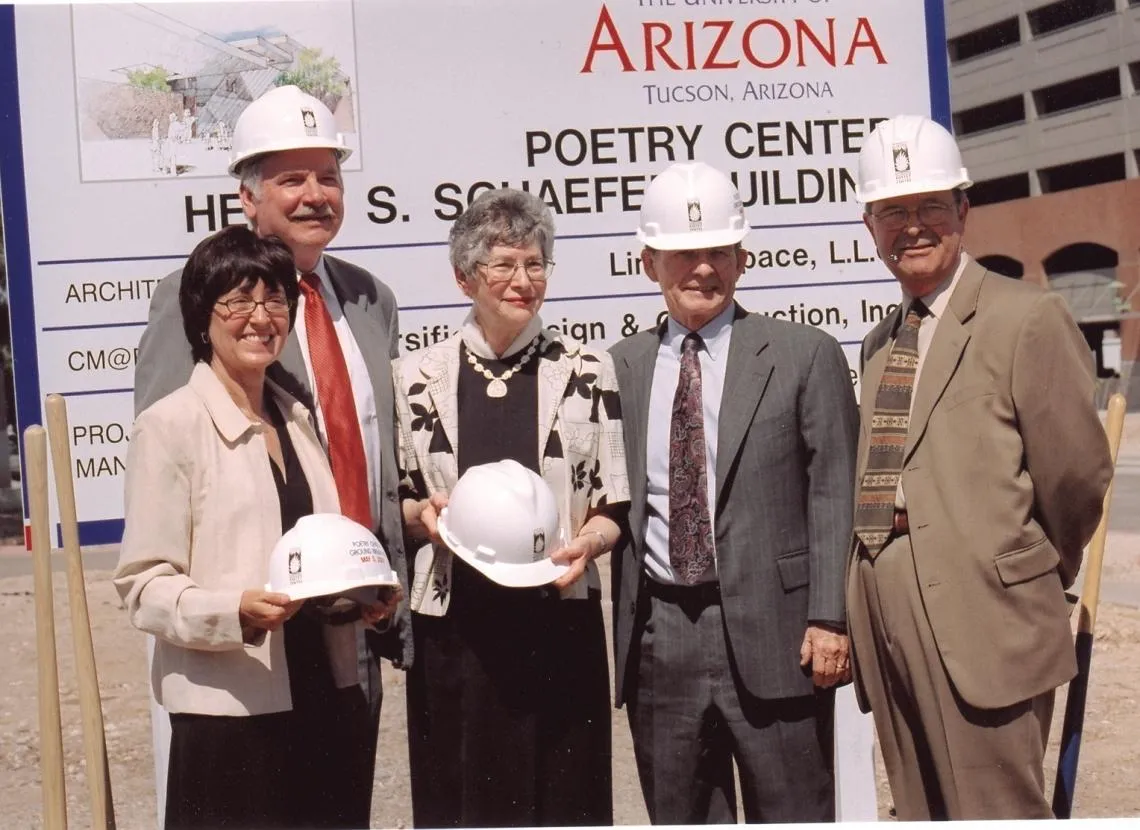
[713, 356]
[362, 394]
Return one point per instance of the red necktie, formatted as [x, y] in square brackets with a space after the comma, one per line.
[334, 391]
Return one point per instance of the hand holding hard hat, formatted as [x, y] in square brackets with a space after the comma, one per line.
[336, 564]
[502, 520]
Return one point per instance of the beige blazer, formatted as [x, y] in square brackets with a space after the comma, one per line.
[202, 516]
[1005, 471]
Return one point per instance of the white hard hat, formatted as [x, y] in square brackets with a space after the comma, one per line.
[909, 154]
[502, 520]
[285, 118]
[328, 554]
[689, 206]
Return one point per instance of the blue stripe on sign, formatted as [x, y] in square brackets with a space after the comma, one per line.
[937, 66]
[13, 198]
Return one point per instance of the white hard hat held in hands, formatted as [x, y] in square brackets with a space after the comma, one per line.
[909, 154]
[502, 520]
[285, 118]
[330, 558]
[689, 206]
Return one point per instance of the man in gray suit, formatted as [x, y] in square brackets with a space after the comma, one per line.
[740, 433]
[287, 154]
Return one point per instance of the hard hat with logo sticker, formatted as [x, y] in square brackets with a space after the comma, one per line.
[502, 520]
[285, 118]
[691, 205]
[330, 555]
[909, 154]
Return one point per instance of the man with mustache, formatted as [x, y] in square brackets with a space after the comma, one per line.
[287, 155]
[982, 468]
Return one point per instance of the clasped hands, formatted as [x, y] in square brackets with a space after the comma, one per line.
[260, 611]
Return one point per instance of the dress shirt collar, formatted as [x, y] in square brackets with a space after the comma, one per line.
[322, 272]
[716, 334]
[230, 421]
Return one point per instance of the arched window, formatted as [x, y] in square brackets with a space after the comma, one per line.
[1007, 266]
[1084, 273]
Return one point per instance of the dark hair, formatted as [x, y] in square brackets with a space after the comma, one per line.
[234, 257]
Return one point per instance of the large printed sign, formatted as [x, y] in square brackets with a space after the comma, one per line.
[117, 121]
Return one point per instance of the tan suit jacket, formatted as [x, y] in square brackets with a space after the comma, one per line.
[202, 516]
[1005, 471]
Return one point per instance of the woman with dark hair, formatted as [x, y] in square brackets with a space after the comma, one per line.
[264, 702]
[509, 695]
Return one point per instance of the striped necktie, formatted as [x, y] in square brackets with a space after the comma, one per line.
[875, 509]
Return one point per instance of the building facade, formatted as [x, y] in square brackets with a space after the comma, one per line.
[1047, 113]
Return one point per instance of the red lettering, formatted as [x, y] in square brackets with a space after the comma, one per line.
[785, 38]
[766, 43]
[711, 61]
[804, 31]
[606, 27]
[864, 26]
[658, 48]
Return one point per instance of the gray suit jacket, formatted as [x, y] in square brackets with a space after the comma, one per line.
[164, 364]
[784, 484]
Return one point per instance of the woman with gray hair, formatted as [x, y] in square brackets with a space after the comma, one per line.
[509, 696]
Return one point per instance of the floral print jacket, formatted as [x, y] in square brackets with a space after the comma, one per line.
[580, 440]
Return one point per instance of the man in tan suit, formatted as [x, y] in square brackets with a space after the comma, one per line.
[981, 471]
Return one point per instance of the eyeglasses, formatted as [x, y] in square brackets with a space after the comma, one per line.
[245, 306]
[503, 271]
[930, 214]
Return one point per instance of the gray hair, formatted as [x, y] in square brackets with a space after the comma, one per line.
[505, 216]
[249, 171]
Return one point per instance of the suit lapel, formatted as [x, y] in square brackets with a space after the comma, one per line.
[367, 331]
[945, 352]
[639, 366]
[553, 375]
[440, 368]
[746, 378]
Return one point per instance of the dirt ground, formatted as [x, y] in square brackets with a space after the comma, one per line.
[1110, 757]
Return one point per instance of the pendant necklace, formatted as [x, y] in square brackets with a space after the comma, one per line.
[497, 386]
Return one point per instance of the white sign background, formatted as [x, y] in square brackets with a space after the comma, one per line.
[446, 96]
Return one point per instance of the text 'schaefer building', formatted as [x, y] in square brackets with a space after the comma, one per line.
[1047, 112]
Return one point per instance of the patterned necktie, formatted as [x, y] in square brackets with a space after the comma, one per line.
[875, 511]
[690, 528]
[334, 392]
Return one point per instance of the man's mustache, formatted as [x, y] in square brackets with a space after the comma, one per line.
[312, 213]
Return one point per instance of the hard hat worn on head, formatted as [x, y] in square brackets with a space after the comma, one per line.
[328, 554]
[691, 205]
[285, 118]
[502, 520]
[909, 154]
